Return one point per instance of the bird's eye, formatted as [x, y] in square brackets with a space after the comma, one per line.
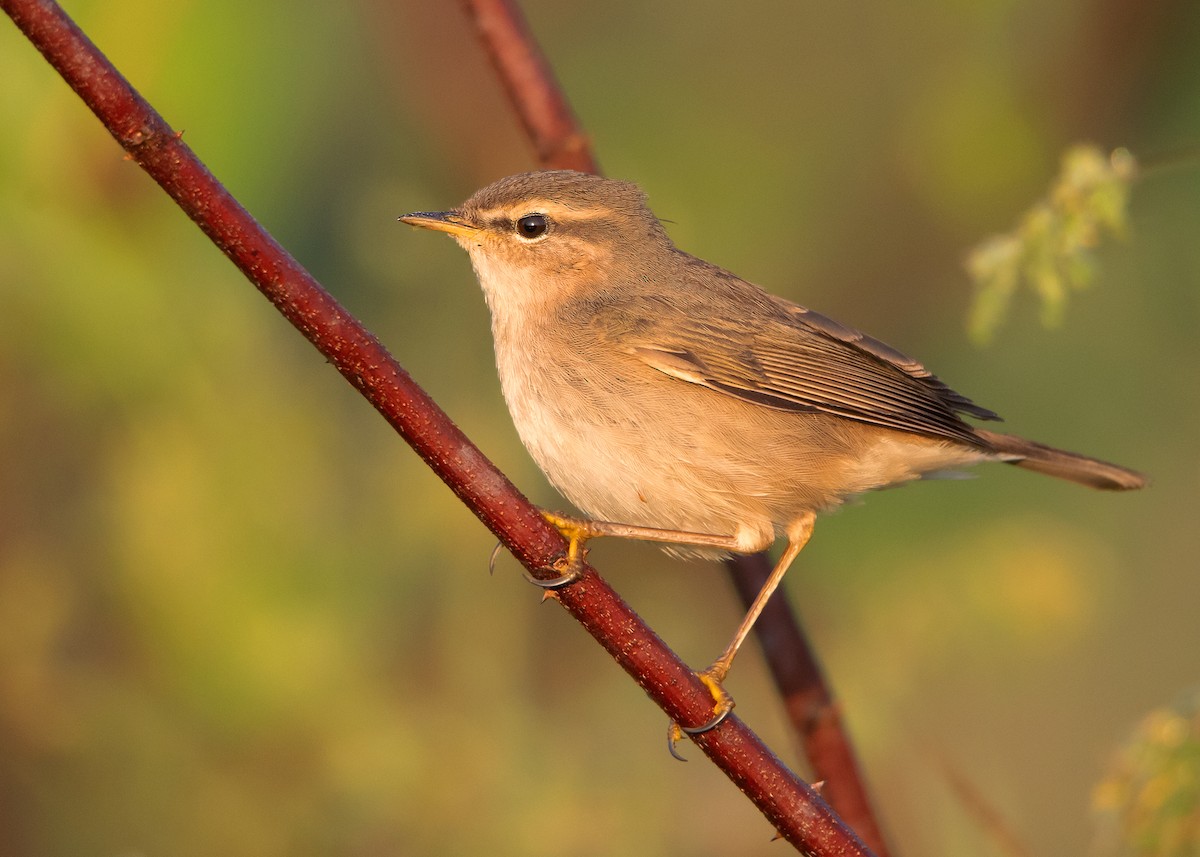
[532, 226]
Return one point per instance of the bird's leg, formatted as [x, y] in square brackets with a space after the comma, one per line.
[798, 534]
[578, 531]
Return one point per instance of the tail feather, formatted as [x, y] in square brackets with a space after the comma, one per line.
[1065, 465]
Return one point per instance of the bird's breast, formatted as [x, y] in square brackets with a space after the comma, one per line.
[626, 442]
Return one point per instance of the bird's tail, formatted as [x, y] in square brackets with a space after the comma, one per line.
[1065, 465]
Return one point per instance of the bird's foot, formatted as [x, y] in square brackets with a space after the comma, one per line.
[576, 531]
[713, 679]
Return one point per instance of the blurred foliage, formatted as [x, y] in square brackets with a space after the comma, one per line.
[1151, 798]
[1051, 249]
[237, 614]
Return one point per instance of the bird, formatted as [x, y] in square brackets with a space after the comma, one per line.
[670, 400]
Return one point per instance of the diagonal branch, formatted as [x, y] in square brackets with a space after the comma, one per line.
[809, 702]
[560, 143]
[794, 809]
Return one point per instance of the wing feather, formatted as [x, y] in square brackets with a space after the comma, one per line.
[780, 355]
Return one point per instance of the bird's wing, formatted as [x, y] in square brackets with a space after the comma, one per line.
[784, 356]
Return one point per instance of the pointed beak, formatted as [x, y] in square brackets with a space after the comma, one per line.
[441, 221]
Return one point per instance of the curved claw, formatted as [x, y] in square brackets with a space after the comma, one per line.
[572, 574]
[492, 559]
[711, 678]
[716, 721]
[576, 532]
[674, 736]
[675, 732]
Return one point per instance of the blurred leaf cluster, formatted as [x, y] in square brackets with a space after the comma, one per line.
[1150, 801]
[1051, 248]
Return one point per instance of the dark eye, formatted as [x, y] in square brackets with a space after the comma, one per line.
[532, 226]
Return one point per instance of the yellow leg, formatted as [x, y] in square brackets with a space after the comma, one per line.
[577, 529]
[578, 532]
[714, 677]
[798, 535]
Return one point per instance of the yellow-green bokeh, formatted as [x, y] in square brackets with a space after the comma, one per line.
[239, 616]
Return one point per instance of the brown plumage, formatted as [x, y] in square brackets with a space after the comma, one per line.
[659, 391]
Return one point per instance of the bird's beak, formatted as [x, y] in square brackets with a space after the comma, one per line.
[442, 221]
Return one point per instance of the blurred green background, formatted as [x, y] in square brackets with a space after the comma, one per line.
[238, 615]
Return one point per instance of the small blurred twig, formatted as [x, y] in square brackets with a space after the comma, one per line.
[977, 806]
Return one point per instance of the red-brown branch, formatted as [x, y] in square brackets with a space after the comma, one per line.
[560, 143]
[557, 138]
[814, 714]
[794, 809]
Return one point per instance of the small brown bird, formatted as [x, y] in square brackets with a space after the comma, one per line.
[672, 401]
